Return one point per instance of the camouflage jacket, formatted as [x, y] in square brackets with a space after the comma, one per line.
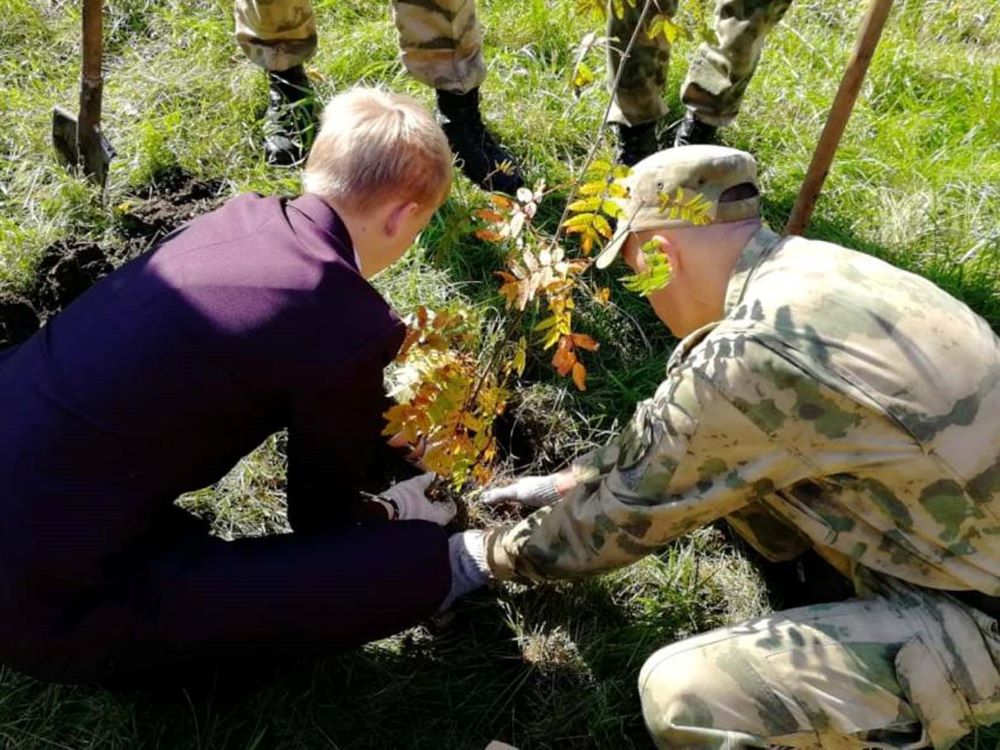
[841, 402]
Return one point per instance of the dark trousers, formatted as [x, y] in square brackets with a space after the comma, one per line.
[193, 600]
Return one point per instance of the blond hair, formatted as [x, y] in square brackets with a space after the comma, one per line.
[375, 145]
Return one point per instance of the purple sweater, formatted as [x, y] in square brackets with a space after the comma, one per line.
[156, 381]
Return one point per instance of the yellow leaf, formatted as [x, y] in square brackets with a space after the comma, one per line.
[580, 220]
[547, 323]
[587, 204]
[612, 209]
[617, 190]
[551, 338]
[520, 355]
[583, 76]
[591, 188]
[602, 296]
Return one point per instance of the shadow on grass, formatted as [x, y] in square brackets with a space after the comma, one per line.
[481, 678]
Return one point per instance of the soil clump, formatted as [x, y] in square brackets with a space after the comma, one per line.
[66, 269]
[172, 199]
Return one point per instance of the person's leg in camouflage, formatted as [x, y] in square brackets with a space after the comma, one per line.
[441, 45]
[719, 74]
[638, 98]
[907, 668]
[279, 36]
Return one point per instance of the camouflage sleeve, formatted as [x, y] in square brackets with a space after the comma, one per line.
[687, 457]
[596, 463]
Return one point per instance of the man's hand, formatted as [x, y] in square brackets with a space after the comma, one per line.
[469, 570]
[415, 451]
[532, 492]
[407, 501]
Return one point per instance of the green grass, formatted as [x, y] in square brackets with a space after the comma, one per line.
[916, 181]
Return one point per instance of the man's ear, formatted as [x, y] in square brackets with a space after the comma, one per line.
[669, 249]
[398, 216]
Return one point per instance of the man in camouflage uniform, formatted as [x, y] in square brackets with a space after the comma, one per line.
[820, 397]
[440, 42]
[441, 46]
[715, 83]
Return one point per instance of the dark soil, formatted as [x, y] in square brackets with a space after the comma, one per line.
[173, 198]
[72, 265]
[66, 269]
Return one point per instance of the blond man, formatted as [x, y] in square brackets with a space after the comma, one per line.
[255, 318]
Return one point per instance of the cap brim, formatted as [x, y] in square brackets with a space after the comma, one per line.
[611, 250]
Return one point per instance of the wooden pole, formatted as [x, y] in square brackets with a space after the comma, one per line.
[95, 153]
[840, 113]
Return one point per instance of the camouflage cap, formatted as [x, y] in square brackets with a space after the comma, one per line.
[680, 187]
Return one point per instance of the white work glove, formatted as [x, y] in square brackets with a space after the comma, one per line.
[532, 492]
[469, 571]
[407, 501]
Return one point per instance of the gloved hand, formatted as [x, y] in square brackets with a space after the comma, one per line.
[407, 501]
[532, 492]
[469, 571]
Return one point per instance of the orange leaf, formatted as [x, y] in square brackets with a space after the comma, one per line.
[500, 201]
[584, 341]
[580, 376]
[491, 216]
[488, 235]
[564, 359]
[412, 336]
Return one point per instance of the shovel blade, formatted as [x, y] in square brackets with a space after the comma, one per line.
[64, 137]
[79, 146]
[96, 153]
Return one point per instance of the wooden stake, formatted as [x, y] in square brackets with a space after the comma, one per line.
[840, 113]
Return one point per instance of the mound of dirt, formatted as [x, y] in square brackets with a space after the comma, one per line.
[18, 320]
[66, 269]
[70, 266]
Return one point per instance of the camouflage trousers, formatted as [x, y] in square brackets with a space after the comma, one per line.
[441, 44]
[903, 667]
[718, 75]
[440, 40]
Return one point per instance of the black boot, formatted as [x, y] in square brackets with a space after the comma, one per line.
[290, 120]
[635, 143]
[693, 131]
[484, 161]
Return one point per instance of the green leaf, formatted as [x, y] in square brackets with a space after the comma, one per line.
[657, 273]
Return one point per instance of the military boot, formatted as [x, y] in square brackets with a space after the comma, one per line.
[484, 161]
[290, 120]
[693, 131]
[635, 143]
